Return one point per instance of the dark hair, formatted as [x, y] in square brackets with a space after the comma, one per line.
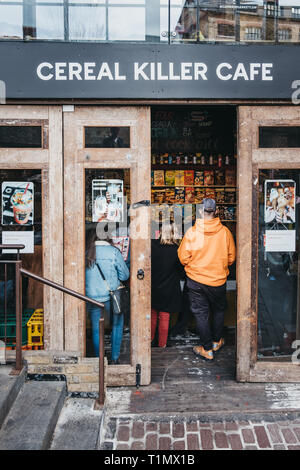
[90, 239]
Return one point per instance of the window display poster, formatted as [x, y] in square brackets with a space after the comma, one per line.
[17, 203]
[107, 199]
[280, 202]
[19, 238]
[280, 240]
[123, 244]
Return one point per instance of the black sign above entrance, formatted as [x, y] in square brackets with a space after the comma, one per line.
[141, 71]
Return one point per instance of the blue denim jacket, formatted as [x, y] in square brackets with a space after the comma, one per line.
[114, 269]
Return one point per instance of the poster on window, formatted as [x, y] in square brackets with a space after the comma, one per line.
[280, 203]
[107, 198]
[17, 203]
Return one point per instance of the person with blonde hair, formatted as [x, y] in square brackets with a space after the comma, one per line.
[166, 272]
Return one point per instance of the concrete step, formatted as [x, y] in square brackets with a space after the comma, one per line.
[10, 386]
[31, 420]
[78, 427]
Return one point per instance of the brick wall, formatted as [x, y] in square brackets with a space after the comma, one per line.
[82, 373]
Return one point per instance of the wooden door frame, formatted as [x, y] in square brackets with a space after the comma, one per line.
[251, 160]
[48, 159]
[138, 159]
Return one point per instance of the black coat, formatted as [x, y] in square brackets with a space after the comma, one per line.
[166, 272]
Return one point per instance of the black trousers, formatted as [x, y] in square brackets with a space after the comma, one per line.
[203, 301]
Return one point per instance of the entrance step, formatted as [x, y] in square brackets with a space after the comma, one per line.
[32, 418]
[10, 386]
[79, 425]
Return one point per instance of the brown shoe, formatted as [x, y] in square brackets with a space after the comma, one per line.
[206, 355]
[218, 345]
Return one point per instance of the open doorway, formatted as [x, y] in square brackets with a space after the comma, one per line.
[193, 156]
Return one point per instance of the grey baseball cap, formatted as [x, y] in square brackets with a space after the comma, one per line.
[209, 205]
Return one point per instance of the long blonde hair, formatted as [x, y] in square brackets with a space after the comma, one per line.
[168, 234]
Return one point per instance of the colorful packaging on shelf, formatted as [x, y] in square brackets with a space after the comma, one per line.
[230, 179]
[230, 195]
[189, 195]
[152, 178]
[219, 177]
[159, 196]
[170, 178]
[199, 195]
[179, 195]
[210, 193]
[220, 195]
[188, 177]
[159, 178]
[179, 177]
[208, 178]
[170, 196]
[199, 178]
[229, 213]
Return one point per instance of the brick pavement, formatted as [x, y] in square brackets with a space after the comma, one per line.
[162, 434]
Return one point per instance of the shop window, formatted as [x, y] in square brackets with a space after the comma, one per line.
[86, 23]
[20, 136]
[278, 262]
[107, 199]
[279, 137]
[11, 21]
[226, 30]
[107, 137]
[21, 223]
[50, 21]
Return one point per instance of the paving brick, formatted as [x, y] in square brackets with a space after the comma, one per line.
[178, 430]
[251, 448]
[289, 436]
[248, 436]
[279, 447]
[164, 428]
[243, 423]
[137, 445]
[123, 433]
[122, 447]
[151, 441]
[179, 445]
[138, 429]
[297, 432]
[231, 426]
[274, 433]
[206, 439]
[164, 443]
[261, 436]
[192, 427]
[235, 441]
[152, 426]
[218, 426]
[293, 447]
[193, 442]
[221, 440]
[204, 425]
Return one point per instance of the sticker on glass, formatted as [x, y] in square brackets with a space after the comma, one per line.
[17, 203]
[280, 203]
[107, 197]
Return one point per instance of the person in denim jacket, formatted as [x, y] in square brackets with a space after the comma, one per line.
[114, 268]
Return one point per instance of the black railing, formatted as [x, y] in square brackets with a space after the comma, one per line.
[19, 272]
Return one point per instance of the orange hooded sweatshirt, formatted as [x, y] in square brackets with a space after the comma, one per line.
[206, 251]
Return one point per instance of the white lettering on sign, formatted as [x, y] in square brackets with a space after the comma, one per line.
[153, 71]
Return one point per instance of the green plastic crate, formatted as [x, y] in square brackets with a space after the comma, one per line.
[11, 326]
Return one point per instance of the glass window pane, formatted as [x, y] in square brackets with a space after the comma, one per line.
[50, 22]
[107, 194]
[21, 218]
[87, 23]
[20, 136]
[279, 137]
[126, 24]
[278, 268]
[107, 137]
[11, 21]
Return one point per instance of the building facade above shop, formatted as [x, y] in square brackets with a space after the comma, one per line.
[152, 21]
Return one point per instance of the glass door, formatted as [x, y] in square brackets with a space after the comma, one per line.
[107, 235]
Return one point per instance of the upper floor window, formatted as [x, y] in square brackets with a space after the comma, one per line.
[158, 21]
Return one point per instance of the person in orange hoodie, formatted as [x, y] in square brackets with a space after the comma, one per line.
[206, 251]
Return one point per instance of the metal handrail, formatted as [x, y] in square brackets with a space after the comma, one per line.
[21, 271]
